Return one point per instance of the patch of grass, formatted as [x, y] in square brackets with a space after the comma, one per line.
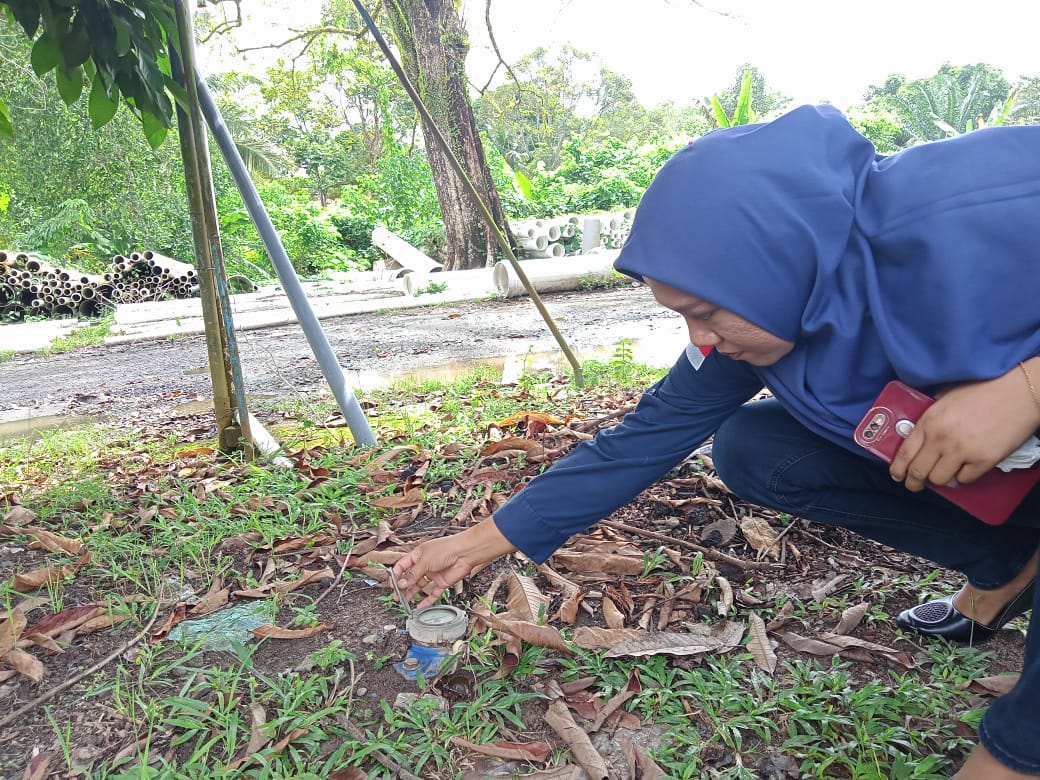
[7, 354]
[86, 336]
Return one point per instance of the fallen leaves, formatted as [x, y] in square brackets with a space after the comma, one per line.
[275, 632]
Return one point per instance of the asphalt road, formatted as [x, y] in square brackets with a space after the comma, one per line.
[372, 348]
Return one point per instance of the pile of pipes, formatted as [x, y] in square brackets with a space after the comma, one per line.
[30, 287]
[556, 237]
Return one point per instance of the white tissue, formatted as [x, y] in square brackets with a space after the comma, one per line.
[1022, 458]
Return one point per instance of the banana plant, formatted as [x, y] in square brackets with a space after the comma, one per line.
[742, 112]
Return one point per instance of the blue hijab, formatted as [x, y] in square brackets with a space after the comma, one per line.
[922, 266]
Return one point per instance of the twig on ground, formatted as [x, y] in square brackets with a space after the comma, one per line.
[24, 710]
[339, 576]
[707, 552]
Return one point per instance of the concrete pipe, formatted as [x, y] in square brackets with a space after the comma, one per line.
[553, 232]
[555, 275]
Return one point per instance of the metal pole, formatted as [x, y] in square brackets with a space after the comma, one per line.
[330, 367]
[471, 189]
[205, 203]
[219, 370]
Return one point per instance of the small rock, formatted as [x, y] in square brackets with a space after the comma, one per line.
[390, 628]
[371, 639]
[361, 691]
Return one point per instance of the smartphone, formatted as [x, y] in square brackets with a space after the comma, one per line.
[991, 498]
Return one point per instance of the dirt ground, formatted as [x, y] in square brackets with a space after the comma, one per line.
[372, 348]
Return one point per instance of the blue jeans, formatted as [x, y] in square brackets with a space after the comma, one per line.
[767, 457]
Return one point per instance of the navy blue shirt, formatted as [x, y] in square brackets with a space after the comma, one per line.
[672, 419]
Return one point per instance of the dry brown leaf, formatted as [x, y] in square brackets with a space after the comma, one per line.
[589, 638]
[381, 460]
[613, 617]
[211, 602]
[851, 618]
[631, 689]
[525, 600]
[43, 642]
[782, 618]
[541, 636]
[411, 497]
[725, 603]
[821, 589]
[18, 516]
[568, 611]
[996, 685]
[535, 752]
[37, 768]
[640, 764]
[31, 580]
[350, 773]
[837, 644]
[559, 719]
[68, 619]
[179, 612]
[11, 630]
[759, 644]
[761, 536]
[257, 737]
[515, 419]
[700, 639]
[512, 446]
[24, 664]
[275, 632]
[664, 616]
[599, 563]
[101, 622]
[307, 578]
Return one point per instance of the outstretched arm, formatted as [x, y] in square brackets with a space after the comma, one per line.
[672, 418]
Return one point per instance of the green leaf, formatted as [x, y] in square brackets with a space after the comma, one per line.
[75, 46]
[122, 36]
[154, 130]
[720, 114]
[27, 12]
[100, 106]
[44, 57]
[742, 114]
[5, 121]
[70, 85]
[524, 185]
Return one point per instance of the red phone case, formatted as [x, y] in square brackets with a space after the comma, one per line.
[991, 498]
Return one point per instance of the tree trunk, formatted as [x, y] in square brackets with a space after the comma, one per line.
[433, 48]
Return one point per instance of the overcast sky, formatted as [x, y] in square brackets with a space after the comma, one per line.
[678, 50]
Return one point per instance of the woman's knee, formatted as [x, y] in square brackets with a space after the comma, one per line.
[741, 450]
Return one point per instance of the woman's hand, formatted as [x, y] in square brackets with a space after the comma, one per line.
[436, 565]
[968, 430]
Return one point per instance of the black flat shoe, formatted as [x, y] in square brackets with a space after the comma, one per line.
[941, 618]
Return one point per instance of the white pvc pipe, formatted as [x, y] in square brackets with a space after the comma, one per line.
[554, 275]
[404, 253]
[476, 281]
[550, 250]
[534, 243]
